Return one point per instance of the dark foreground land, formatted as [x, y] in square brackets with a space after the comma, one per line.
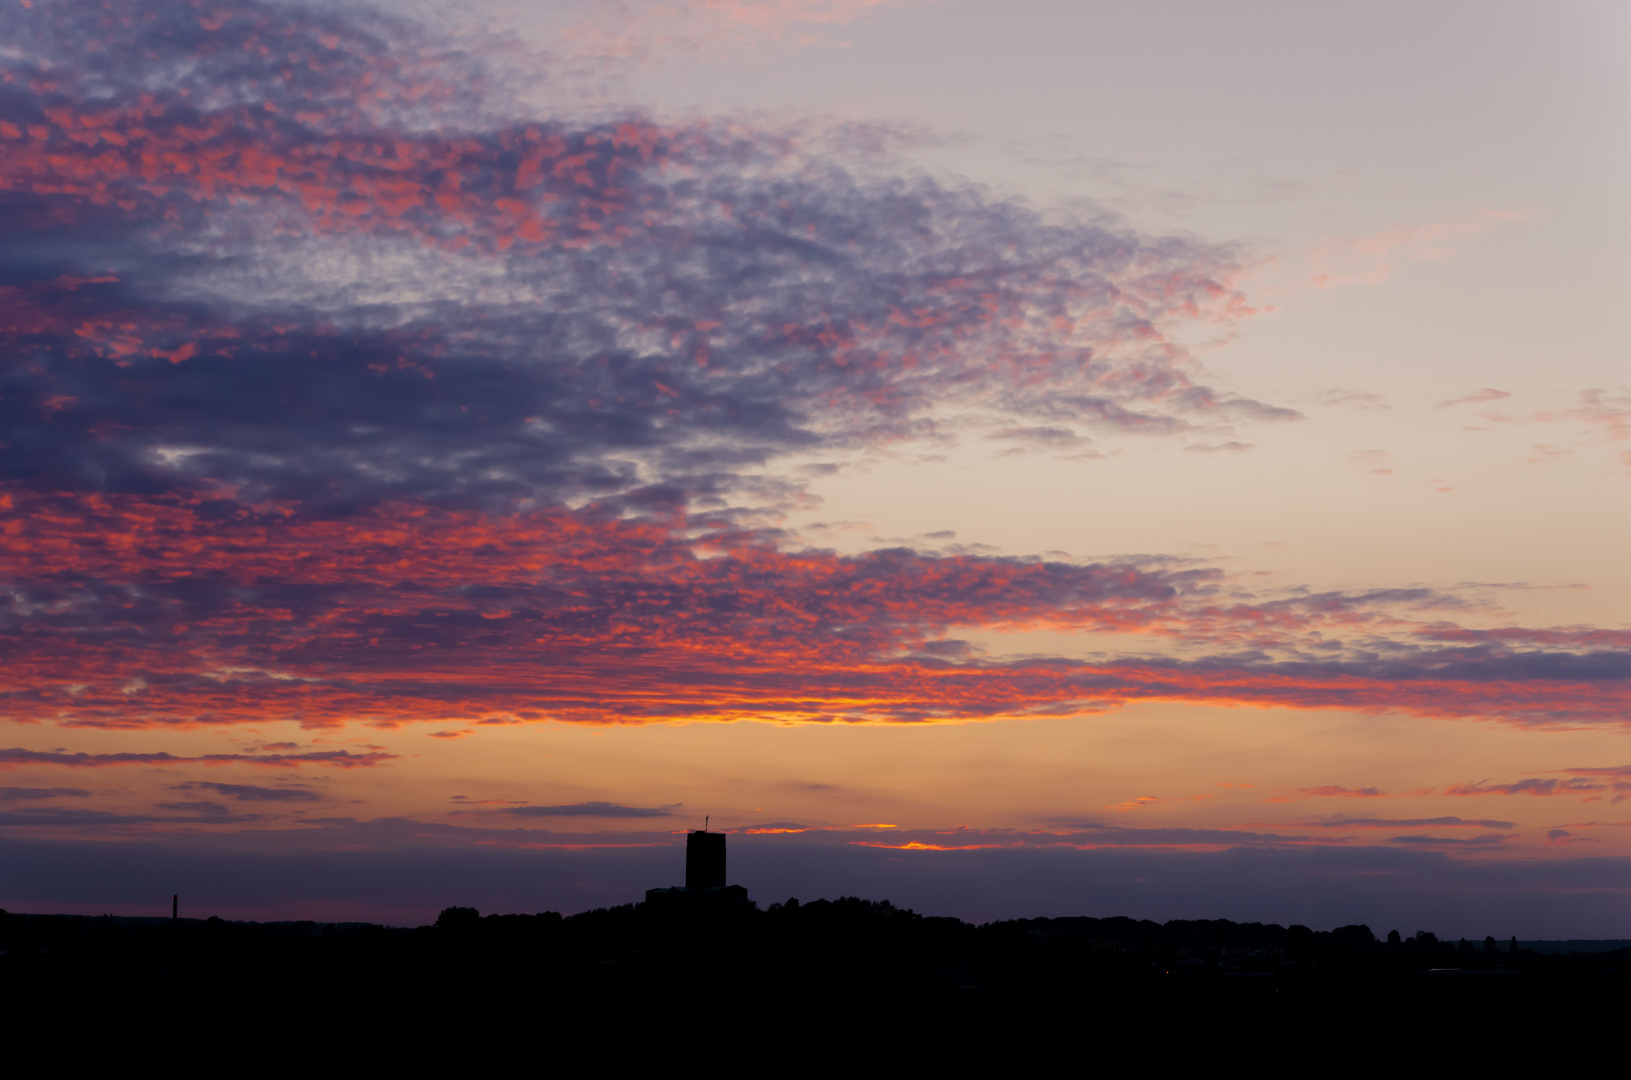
[843, 966]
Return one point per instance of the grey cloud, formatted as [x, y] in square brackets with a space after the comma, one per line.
[213, 809]
[588, 809]
[93, 820]
[82, 760]
[1450, 841]
[1047, 438]
[1400, 823]
[252, 793]
[1532, 786]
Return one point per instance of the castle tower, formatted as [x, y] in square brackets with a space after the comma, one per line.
[704, 860]
[704, 887]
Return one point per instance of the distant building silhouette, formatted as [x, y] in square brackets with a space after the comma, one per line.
[704, 876]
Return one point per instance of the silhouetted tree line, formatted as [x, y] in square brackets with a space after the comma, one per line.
[791, 956]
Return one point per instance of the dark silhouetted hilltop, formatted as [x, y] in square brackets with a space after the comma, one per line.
[600, 970]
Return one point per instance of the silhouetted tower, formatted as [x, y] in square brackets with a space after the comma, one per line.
[175, 907]
[705, 860]
[704, 888]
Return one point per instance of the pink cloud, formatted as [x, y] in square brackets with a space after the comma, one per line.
[1477, 397]
[1371, 260]
[1607, 412]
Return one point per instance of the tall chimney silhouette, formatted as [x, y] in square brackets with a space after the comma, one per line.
[175, 906]
[705, 860]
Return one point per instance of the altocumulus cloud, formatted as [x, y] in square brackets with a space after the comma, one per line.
[336, 386]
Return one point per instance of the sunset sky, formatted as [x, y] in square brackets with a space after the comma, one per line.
[1042, 458]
